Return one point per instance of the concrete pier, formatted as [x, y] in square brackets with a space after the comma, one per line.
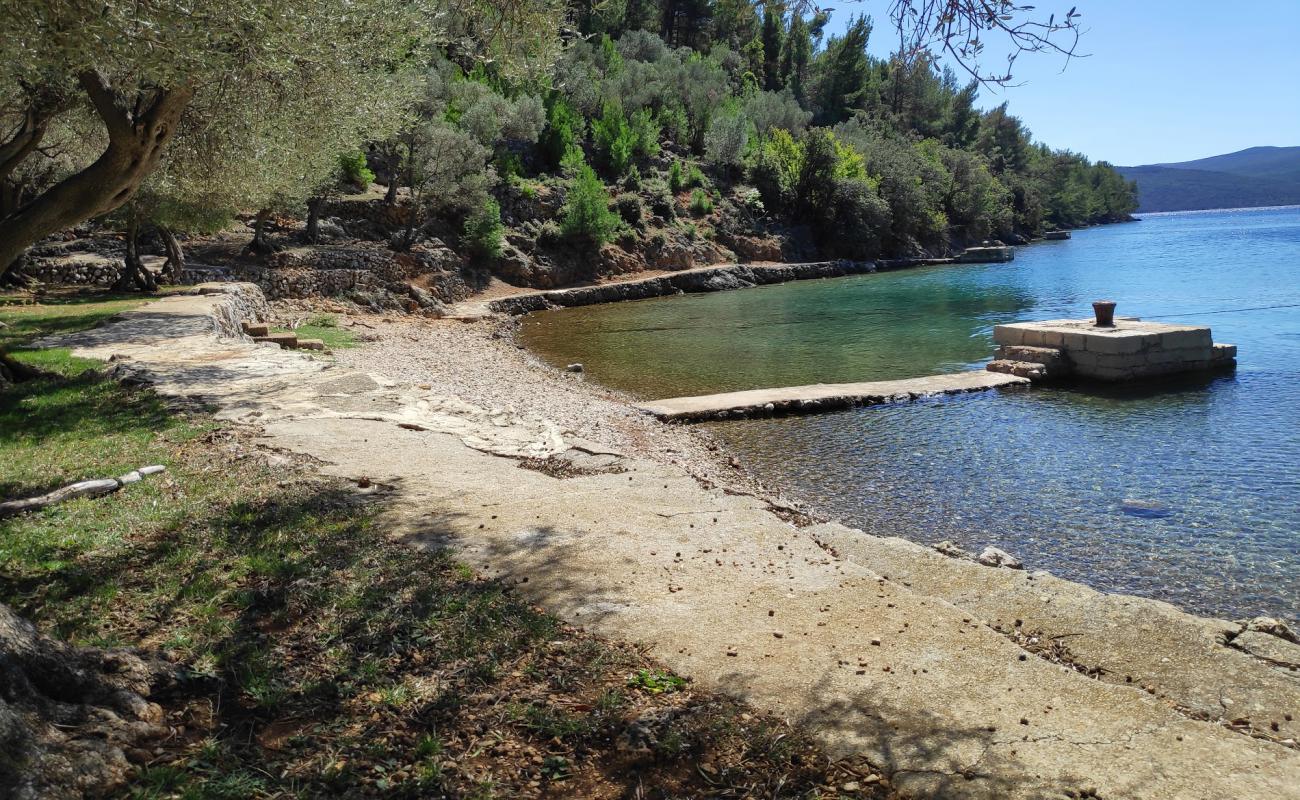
[823, 396]
[1130, 349]
[987, 255]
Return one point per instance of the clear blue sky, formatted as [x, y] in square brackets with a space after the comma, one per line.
[1164, 81]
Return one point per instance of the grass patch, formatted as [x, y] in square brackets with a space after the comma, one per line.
[27, 318]
[318, 658]
[326, 328]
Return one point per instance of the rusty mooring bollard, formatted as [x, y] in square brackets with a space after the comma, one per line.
[1105, 311]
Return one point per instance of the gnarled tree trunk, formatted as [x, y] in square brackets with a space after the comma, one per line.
[134, 275]
[137, 135]
[13, 370]
[71, 719]
[174, 266]
[311, 234]
[262, 243]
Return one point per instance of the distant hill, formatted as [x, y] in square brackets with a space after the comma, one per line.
[1257, 176]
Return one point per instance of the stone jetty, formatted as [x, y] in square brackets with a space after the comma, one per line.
[994, 254]
[1127, 349]
[823, 396]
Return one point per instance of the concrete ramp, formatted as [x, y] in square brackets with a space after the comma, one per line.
[823, 396]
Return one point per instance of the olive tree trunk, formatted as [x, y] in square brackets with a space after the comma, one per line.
[262, 243]
[134, 275]
[138, 133]
[174, 266]
[72, 719]
[311, 234]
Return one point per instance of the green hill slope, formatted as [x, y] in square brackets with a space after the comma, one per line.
[1257, 176]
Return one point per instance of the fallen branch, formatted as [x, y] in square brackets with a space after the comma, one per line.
[91, 488]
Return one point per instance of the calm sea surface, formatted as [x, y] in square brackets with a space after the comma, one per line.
[1041, 473]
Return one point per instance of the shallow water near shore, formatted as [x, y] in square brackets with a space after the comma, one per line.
[1210, 465]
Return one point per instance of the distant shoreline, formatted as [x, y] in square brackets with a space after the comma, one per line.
[1217, 210]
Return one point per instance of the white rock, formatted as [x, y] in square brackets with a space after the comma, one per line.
[993, 557]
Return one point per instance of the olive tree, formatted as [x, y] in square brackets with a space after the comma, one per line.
[137, 69]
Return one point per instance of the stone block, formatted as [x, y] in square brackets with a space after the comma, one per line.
[310, 344]
[1074, 340]
[1224, 352]
[1120, 343]
[1008, 334]
[1111, 373]
[285, 340]
[1083, 359]
[256, 329]
[1191, 355]
[1190, 337]
[1041, 355]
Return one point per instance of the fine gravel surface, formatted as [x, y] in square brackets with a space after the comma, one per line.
[481, 363]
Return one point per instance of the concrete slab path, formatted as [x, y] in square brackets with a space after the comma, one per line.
[824, 396]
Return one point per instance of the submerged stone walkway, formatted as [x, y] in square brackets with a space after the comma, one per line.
[956, 679]
[824, 396]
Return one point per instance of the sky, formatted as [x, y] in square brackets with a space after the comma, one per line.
[1163, 81]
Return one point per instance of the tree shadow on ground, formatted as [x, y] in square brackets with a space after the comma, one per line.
[38, 416]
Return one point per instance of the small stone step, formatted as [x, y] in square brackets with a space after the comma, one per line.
[1039, 355]
[311, 344]
[1023, 369]
[287, 341]
[256, 329]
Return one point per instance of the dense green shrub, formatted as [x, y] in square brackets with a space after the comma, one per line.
[484, 232]
[355, 171]
[676, 177]
[701, 203]
[727, 141]
[661, 201]
[858, 217]
[632, 180]
[563, 133]
[614, 140]
[550, 234]
[628, 207]
[676, 128]
[586, 216]
[694, 177]
[645, 134]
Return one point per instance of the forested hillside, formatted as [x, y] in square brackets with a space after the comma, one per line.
[648, 134]
[1256, 176]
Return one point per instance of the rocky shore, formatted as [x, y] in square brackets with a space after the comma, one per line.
[957, 677]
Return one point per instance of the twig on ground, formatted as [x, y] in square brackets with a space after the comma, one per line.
[92, 488]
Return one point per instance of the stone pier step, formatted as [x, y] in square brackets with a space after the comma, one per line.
[823, 396]
[287, 341]
[1039, 355]
[1030, 370]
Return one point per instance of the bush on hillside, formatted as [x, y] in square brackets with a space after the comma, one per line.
[628, 207]
[586, 216]
[701, 203]
[484, 232]
[356, 173]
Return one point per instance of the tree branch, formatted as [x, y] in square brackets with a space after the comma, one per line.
[104, 100]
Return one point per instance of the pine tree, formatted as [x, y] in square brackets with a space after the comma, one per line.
[773, 43]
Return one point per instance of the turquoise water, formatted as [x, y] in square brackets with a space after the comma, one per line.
[1041, 473]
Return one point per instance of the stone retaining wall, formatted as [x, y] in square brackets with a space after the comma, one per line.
[92, 271]
[241, 302]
